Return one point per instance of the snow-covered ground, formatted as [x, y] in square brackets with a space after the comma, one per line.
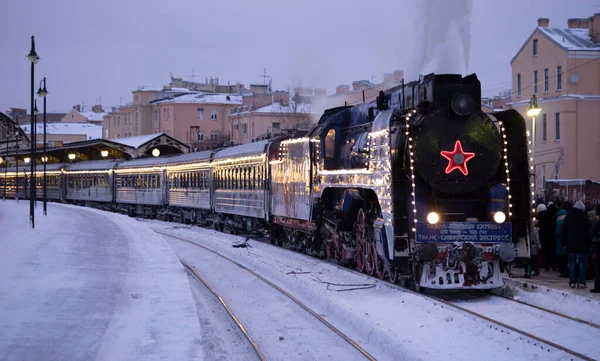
[91, 285]
[387, 322]
[573, 335]
[551, 292]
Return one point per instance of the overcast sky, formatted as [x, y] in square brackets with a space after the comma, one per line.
[92, 49]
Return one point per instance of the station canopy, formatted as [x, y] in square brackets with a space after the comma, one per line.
[15, 143]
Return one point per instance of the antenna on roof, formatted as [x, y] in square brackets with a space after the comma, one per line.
[193, 75]
[265, 76]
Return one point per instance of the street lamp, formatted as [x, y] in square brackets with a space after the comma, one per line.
[155, 152]
[532, 112]
[71, 156]
[42, 93]
[33, 58]
[104, 153]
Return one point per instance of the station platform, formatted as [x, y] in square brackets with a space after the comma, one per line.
[551, 280]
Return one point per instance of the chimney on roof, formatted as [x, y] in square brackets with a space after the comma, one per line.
[342, 89]
[97, 108]
[77, 107]
[398, 74]
[595, 27]
[575, 23]
[543, 22]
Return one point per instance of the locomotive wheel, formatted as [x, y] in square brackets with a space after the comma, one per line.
[360, 258]
[371, 257]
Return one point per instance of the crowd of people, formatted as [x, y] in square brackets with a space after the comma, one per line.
[566, 239]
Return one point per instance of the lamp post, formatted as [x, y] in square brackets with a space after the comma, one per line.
[17, 138]
[42, 93]
[33, 58]
[34, 155]
[533, 111]
[6, 163]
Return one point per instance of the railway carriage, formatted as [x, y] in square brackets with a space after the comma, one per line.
[54, 179]
[140, 185]
[10, 180]
[90, 182]
[189, 181]
[240, 185]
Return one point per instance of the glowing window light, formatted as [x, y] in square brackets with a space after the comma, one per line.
[71, 156]
[104, 153]
[457, 159]
[27, 160]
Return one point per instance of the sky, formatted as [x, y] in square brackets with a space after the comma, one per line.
[99, 51]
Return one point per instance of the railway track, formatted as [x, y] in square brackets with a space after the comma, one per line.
[243, 329]
[535, 340]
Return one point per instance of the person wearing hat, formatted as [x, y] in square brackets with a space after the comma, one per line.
[577, 237]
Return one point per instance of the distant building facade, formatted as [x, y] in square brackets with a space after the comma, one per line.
[560, 67]
[77, 115]
[264, 115]
[197, 119]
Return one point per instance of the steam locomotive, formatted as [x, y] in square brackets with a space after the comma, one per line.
[419, 186]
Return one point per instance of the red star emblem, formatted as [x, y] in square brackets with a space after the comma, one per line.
[457, 159]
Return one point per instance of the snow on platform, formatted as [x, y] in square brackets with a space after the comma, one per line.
[90, 285]
[550, 291]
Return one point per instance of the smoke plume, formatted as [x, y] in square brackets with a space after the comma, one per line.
[445, 36]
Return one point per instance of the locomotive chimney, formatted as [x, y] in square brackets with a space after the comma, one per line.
[543, 22]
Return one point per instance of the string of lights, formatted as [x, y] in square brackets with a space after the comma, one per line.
[505, 157]
[412, 167]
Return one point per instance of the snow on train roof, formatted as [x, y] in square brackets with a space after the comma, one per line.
[93, 165]
[49, 167]
[189, 157]
[243, 150]
[143, 162]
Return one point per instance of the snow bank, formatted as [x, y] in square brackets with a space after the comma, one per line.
[86, 284]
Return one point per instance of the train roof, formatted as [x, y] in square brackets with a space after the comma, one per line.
[49, 167]
[143, 162]
[93, 165]
[244, 150]
[190, 157]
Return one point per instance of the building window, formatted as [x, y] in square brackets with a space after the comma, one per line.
[518, 85]
[200, 113]
[544, 128]
[119, 121]
[559, 78]
[201, 137]
[156, 115]
[557, 126]
[168, 113]
[543, 171]
[535, 49]
[535, 82]
[545, 80]
[244, 129]
[114, 120]
[213, 114]
[164, 114]
[214, 135]
[276, 126]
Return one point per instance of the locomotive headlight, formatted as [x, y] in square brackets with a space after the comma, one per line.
[462, 104]
[433, 218]
[499, 217]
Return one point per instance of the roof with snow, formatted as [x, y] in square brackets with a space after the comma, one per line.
[560, 97]
[567, 39]
[93, 116]
[243, 150]
[91, 131]
[93, 165]
[136, 141]
[571, 182]
[202, 98]
[145, 88]
[277, 107]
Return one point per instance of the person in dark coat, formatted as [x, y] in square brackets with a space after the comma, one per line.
[577, 237]
[562, 258]
[552, 210]
[546, 230]
[596, 253]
